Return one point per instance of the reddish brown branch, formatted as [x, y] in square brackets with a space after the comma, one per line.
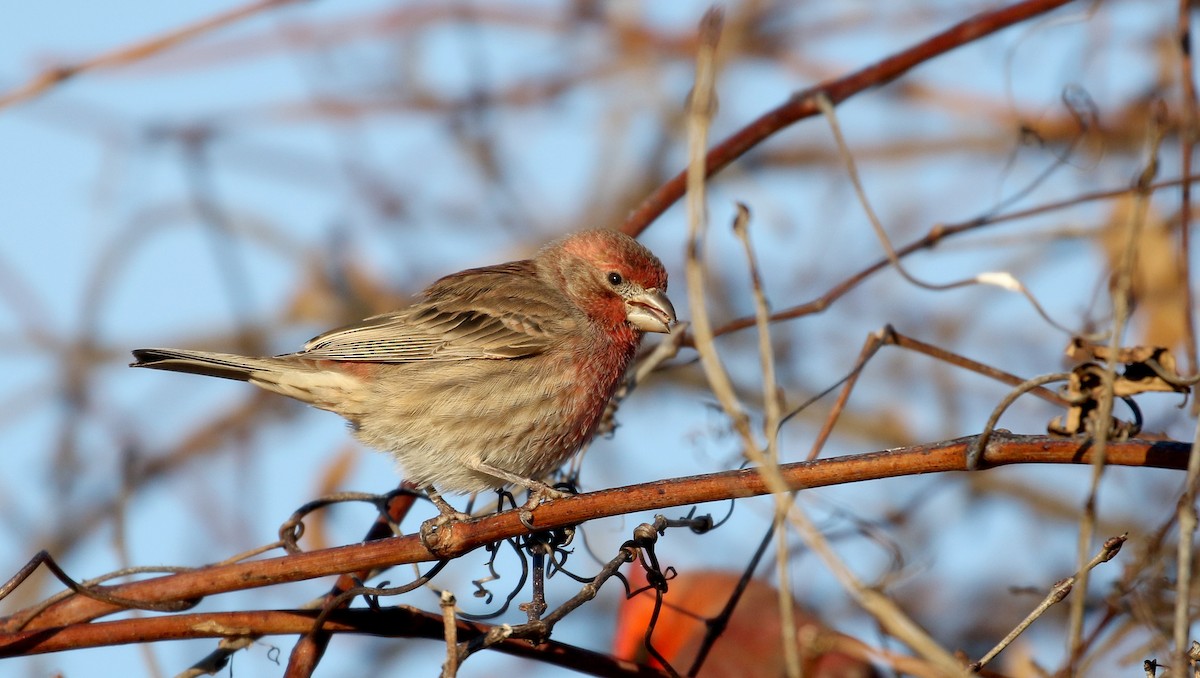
[803, 105]
[460, 538]
[392, 622]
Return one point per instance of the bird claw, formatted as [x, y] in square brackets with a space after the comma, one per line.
[433, 530]
[542, 494]
[537, 496]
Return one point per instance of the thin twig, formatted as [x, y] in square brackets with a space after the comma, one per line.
[1002, 279]
[1186, 510]
[127, 55]
[1122, 287]
[699, 115]
[1021, 389]
[889, 615]
[1057, 593]
[1185, 555]
[934, 236]
[450, 628]
[773, 415]
[1187, 133]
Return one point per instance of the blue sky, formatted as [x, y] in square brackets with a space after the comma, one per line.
[120, 232]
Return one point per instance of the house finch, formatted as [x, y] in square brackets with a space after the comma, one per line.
[493, 377]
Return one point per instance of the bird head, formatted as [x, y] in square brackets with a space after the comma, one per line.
[613, 279]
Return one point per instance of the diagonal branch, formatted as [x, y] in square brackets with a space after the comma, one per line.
[803, 104]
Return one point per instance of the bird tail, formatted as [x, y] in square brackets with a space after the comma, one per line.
[222, 365]
[335, 390]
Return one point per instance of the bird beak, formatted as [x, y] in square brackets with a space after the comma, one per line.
[650, 311]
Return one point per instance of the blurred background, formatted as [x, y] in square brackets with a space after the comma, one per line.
[313, 163]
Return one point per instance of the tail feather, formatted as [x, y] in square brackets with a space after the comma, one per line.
[222, 365]
[329, 389]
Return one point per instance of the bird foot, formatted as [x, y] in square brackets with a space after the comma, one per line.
[542, 494]
[432, 530]
[538, 495]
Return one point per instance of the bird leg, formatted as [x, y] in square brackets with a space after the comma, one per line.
[538, 491]
[448, 512]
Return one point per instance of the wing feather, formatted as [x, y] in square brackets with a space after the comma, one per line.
[502, 311]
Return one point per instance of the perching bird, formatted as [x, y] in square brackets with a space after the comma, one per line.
[495, 376]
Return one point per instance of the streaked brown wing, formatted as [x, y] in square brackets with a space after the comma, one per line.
[500, 311]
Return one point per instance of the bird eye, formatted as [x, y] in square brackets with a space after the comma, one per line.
[615, 279]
